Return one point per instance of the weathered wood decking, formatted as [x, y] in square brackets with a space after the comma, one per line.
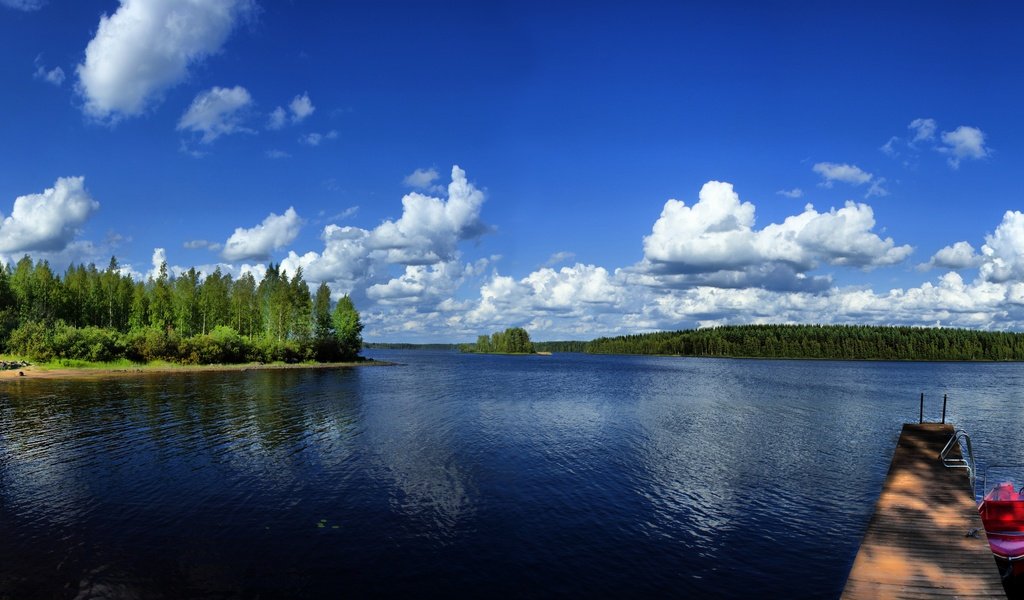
[919, 543]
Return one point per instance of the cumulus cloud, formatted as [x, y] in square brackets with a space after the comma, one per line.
[430, 227]
[421, 178]
[301, 107]
[832, 172]
[963, 142]
[256, 243]
[47, 221]
[793, 193]
[345, 260]
[1003, 251]
[714, 241]
[960, 255]
[424, 284]
[216, 112]
[423, 241]
[147, 47]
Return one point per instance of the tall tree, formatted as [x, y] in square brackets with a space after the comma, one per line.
[323, 327]
[245, 308]
[348, 328]
[300, 309]
[161, 308]
[214, 303]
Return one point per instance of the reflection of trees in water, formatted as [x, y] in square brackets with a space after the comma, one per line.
[62, 444]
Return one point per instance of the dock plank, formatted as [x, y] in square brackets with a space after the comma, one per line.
[925, 539]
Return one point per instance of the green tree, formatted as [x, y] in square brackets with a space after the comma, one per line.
[348, 329]
[161, 308]
[323, 327]
[214, 302]
[245, 307]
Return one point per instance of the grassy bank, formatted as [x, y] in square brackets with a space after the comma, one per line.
[70, 369]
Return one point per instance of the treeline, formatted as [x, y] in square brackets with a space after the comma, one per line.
[561, 346]
[855, 342]
[94, 315]
[514, 340]
[405, 346]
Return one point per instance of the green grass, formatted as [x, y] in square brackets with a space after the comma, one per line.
[70, 363]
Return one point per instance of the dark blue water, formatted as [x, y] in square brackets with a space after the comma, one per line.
[453, 474]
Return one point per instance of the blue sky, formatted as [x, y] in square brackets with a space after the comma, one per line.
[614, 169]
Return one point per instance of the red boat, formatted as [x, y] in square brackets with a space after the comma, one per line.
[1002, 512]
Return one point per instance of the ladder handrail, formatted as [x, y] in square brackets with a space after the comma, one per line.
[966, 460]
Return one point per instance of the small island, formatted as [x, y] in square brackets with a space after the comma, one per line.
[514, 340]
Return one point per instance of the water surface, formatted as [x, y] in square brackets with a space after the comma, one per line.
[568, 475]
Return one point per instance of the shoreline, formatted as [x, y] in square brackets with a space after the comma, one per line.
[36, 372]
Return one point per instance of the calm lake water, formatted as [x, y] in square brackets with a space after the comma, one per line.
[568, 475]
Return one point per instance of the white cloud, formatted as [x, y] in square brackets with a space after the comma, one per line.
[713, 242]
[424, 284]
[832, 172]
[559, 257]
[277, 119]
[356, 260]
[1003, 251]
[202, 244]
[159, 258]
[430, 227]
[924, 130]
[960, 255]
[314, 139]
[147, 47]
[963, 142]
[421, 178]
[25, 5]
[276, 154]
[47, 221]
[344, 261]
[54, 76]
[889, 148]
[301, 107]
[275, 232]
[793, 193]
[216, 112]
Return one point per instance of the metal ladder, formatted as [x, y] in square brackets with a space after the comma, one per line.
[966, 460]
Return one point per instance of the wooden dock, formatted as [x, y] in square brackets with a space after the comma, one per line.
[925, 539]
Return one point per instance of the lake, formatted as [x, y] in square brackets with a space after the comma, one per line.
[567, 475]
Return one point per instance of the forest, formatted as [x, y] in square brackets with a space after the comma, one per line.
[105, 315]
[854, 342]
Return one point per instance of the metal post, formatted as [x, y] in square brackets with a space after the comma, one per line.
[921, 419]
[944, 396]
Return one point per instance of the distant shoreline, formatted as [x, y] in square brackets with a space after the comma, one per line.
[42, 372]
